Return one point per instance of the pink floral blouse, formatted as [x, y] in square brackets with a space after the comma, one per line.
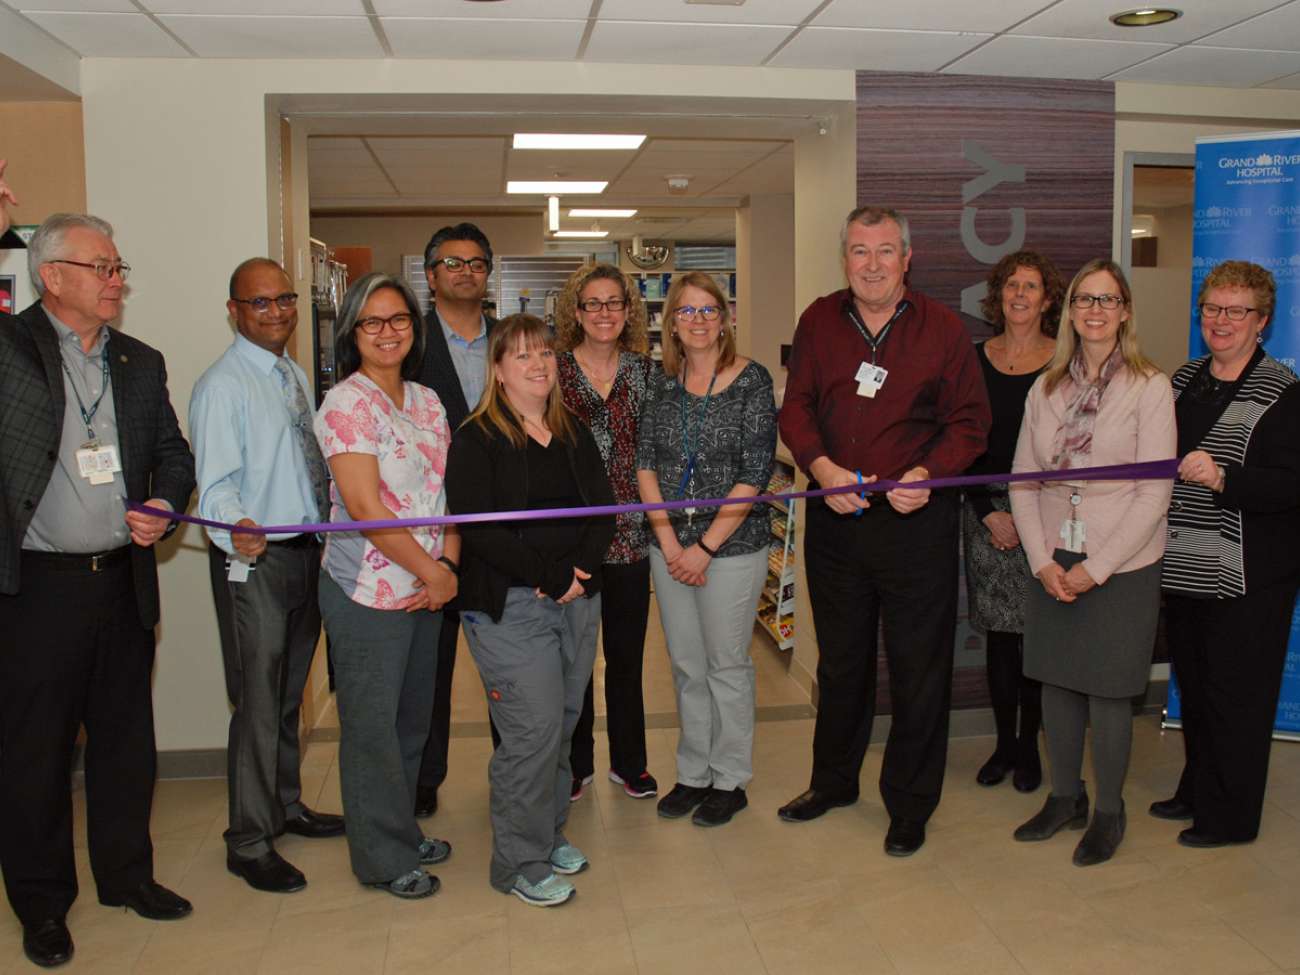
[411, 447]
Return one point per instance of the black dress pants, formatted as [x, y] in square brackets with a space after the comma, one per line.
[624, 612]
[433, 764]
[1228, 656]
[74, 652]
[899, 570]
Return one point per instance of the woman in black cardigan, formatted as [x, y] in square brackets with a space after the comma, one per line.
[1232, 564]
[529, 598]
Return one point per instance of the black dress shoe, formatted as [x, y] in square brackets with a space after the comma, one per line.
[1029, 773]
[995, 769]
[812, 804]
[426, 805]
[719, 806]
[904, 838]
[1172, 808]
[314, 825]
[1102, 838]
[270, 872]
[152, 900]
[1200, 840]
[1057, 813]
[47, 943]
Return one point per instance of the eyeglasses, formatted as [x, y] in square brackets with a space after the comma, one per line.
[479, 265]
[262, 304]
[104, 270]
[593, 305]
[374, 324]
[708, 313]
[1109, 302]
[1235, 313]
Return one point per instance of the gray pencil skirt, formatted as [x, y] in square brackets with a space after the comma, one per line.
[1101, 643]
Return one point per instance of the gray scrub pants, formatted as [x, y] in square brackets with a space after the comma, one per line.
[535, 664]
[708, 629]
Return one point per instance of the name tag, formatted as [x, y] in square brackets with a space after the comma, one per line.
[237, 569]
[870, 378]
[97, 463]
[1072, 535]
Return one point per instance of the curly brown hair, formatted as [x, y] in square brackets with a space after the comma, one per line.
[568, 330]
[1243, 274]
[1053, 289]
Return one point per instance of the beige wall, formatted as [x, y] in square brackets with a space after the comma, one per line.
[765, 279]
[46, 151]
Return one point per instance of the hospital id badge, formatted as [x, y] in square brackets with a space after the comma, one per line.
[870, 378]
[1072, 535]
[97, 463]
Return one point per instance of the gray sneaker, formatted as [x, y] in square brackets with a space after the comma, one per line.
[568, 859]
[433, 850]
[551, 892]
[411, 886]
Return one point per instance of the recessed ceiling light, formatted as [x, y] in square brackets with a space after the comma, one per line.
[1145, 17]
[620, 214]
[578, 140]
[582, 233]
[549, 186]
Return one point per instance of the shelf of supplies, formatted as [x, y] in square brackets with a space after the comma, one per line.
[776, 607]
[779, 629]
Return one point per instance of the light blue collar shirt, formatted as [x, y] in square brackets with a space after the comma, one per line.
[469, 357]
[248, 460]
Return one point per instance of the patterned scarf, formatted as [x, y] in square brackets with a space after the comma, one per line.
[1072, 446]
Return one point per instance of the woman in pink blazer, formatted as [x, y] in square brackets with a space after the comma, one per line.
[1095, 547]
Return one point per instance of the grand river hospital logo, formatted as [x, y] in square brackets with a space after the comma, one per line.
[1266, 167]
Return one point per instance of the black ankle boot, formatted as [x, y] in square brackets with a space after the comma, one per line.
[1057, 813]
[1029, 768]
[1102, 839]
[996, 768]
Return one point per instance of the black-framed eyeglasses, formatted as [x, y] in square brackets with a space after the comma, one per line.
[262, 304]
[1235, 313]
[593, 305]
[1109, 302]
[708, 313]
[104, 270]
[374, 324]
[479, 265]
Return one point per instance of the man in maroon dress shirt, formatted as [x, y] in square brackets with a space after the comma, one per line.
[883, 383]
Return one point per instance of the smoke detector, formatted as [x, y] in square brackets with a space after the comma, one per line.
[678, 183]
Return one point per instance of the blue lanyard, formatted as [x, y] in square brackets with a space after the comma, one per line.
[87, 415]
[692, 441]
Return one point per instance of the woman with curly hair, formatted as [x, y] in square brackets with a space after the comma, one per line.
[603, 375]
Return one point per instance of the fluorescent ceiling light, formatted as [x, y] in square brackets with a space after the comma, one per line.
[546, 187]
[582, 233]
[587, 212]
[552, 213]
[577, 140]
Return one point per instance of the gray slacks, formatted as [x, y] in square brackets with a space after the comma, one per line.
[535, 664]
[385, 663]
[708, 629]
[269, 626]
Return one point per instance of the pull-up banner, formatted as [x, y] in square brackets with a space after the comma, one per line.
[1248, 209]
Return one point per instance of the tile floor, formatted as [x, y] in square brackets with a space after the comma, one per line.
[757, 895]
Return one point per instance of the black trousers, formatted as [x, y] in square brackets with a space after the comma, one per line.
[269, 627]
[74, 653]
[433, 764]
[624, 612]
[1228, 655]
[899, 571]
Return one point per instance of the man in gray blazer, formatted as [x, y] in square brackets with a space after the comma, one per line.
[86, 424]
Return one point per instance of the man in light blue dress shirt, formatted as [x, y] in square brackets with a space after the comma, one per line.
[259, 464]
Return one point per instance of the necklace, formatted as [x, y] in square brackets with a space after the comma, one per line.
[603, 384]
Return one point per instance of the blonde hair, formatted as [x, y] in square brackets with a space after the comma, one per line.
[494, 413]
[1067, 341]
[635, 336]
[674, 351]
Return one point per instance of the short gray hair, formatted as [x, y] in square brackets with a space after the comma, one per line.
[46, 244]
[869, 216]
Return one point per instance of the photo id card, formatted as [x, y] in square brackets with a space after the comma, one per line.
[870, 378]
[97, 463]
[1072, 535]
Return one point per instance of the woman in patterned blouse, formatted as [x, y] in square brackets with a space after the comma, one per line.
[708, 430]
[603, 375]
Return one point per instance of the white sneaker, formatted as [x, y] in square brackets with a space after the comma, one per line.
[568, 859]
[551, 892]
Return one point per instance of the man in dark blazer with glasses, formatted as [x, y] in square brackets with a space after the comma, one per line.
[86, 424]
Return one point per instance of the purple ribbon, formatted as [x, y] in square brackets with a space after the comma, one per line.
[1146, 470]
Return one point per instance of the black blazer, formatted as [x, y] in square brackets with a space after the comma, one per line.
[439, 372]
[156, 460]
[485, 472]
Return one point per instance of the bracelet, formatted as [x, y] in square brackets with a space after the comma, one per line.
[710, 552]
[455, 569]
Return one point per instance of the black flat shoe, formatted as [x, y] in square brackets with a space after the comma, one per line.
[1057, 813]
[426, 806]
[314, 825]
[47, 943]
[1200, 840]
[1102, 839]
[995, 769]
[153, 901]
[719, 806]
[1172, 808]
[1029, 773]
[270, 872]
[811, 804]
[904, 838]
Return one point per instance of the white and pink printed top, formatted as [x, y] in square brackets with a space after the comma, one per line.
[410, 446]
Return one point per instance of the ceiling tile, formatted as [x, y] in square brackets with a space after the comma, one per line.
[989, 16]
[109, 35]
[1088, 18]
[276, 37]
[535, 40]
[1277, 30]
[397, 149]
[1052, 57]
[1290, 81]
[533, 165]
[299, 8]
[1225, 67]
[721, 147]
[786, 12]
[646, 43]
[81, 6]
[875, 50]
[514, 10]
